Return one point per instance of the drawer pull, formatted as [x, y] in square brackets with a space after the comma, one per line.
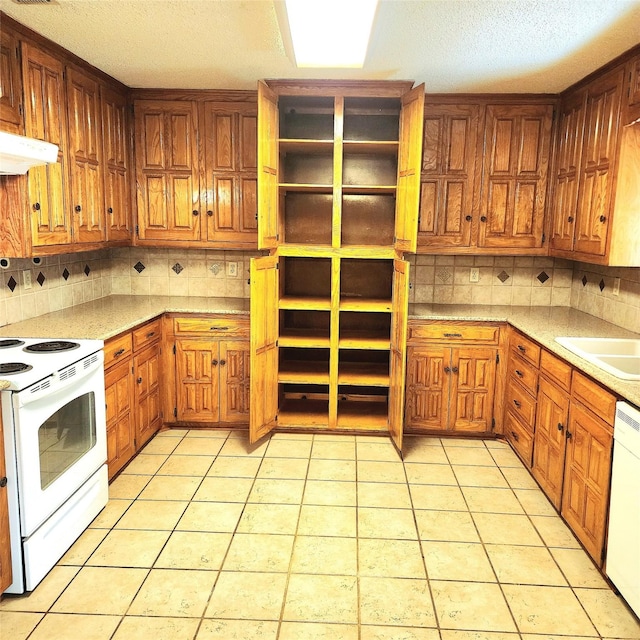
[118, 353]
[3, 482]
[223, 362]
[447, 370]
[453, 335]
[454, 369]
[218, 328]
[151, 334]
[214, 363]
[519, 373]
[515, 436]
[521, 348]
[517, 403]
[560, 426]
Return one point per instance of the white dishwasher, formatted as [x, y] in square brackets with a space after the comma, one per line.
[623, 545]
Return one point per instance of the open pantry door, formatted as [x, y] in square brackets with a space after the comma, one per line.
[397, 365]
[409, 166]
[268, 124]
[263, 404]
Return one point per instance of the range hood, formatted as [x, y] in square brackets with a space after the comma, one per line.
[19, 153]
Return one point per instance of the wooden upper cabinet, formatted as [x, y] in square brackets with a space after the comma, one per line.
[568, 159]
[46, 119]
[167, 170]
[447, 202]
[516, 152]
[268, 127]
[409, 156]
[598, 163]
[230, 151]
[10, 84]
[116, 165]
[85, 157]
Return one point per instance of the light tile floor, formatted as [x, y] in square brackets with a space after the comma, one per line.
[322, 538]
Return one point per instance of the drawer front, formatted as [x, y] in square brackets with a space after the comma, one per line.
[521, 439]
[594, 397]
[147, 334]
[525, 348]
[117, 349]
[524, 372]
[454, 333]
[555, 369]
[217, 326]
[520, 403]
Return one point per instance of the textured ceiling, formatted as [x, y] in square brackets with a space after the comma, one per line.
[450, 45]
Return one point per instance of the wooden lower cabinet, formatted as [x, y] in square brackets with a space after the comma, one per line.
[132, 392]
[211, 370]
[450, 388]
[6, 577]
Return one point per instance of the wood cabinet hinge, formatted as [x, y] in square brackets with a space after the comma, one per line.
[493, 423]
[277, 265]
[174, 349]
[138, 231]
[175, 412]
[544, 237]
[497, 358]
[20, 109]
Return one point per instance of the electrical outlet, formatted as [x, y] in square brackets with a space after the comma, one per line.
[232, 269]
[26, 279]
[616, 287]
[474, 274]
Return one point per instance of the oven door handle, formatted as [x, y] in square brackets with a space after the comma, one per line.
[60, 380]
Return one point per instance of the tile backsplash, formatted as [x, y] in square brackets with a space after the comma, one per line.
[59, 282]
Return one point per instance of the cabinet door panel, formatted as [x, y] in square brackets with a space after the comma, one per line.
[167, 170]
[409, 163]
[447, 205]
[267, 167]
[116, 152]
[552, 414]
[517, 142]
[397, 367]
[472, 389]
[234, 382]
[248, 143]
[427, 388]
[119, 416]
[147, 366]
[602, 114]
[586, 479]
[10, 83]
[6, 576]
[264, 347]
[197, 378]
[45, 119]
[568, 156]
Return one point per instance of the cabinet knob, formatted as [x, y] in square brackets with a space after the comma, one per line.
[36, 206]
[521, 348]
[454, 369]
[118, 353]
[468, 218]
[139, 380]
[447, 370]
[515, 436]
[210, 213]
[151, 334]
[483, 218]
[214, 363]
[195, 212]
[570, 219]
[519, 373]
[602, 218]
[223, 362]
[110, 210]
[517, 403]
[3, 482]
[560, 426]
[78, 208]
[568, 434]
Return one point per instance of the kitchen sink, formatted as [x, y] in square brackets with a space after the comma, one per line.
[618, 356]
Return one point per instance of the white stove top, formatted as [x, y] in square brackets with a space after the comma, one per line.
[40, 364]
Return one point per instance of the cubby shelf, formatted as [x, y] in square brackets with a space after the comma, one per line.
[304, 338]
[302, 145]
[303, 372]
[303, 413]
[305, 302]
[355, 339]
[379, 147]
[363, 415]
[365, 305]
[295, 187]
[363, 374]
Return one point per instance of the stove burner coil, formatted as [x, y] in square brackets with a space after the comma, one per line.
[51, 346]
[10, 342]
[7, 368]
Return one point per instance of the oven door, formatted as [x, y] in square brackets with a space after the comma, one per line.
[61, 438]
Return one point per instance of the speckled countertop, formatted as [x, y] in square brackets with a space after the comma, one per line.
[107, 317]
